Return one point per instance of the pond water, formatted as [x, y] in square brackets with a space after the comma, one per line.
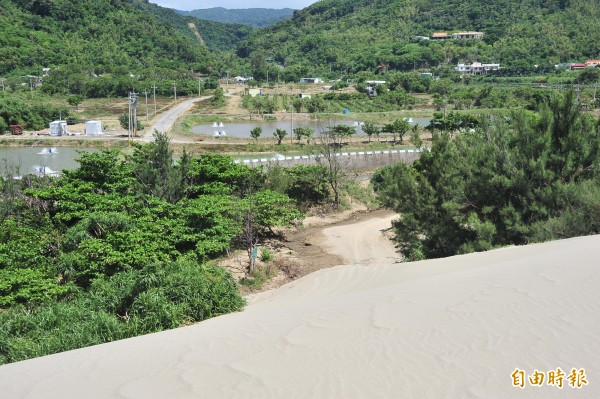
[18, 161]
[242, 129]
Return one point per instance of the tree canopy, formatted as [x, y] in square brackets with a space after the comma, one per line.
[124, 240]
[510, 181]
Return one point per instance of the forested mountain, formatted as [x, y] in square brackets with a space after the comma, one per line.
[104, 36]
[254, 17]
[349, 35]
[216, 35]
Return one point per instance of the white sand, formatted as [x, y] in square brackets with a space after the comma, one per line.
[449, 328]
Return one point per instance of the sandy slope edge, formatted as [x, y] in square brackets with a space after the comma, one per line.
[449, 328]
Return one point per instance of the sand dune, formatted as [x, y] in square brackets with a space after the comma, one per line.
[449, 328]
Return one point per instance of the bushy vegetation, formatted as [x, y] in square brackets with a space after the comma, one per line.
[155, 297]
[513, 180]
[118, 247]
[15, 111]
[307, 185]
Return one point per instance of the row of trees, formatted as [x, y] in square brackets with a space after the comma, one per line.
[513, 180]
[272, 103]
[398, 129]
[280, 134]
[78, 81]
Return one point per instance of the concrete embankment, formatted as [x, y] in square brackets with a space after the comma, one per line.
[360, 160]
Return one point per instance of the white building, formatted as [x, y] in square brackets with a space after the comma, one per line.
[476, 68]
[468, 35]
[93, 128]
[58, 128]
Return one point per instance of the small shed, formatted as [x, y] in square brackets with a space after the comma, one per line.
[16, 129]
[58, 128]
[93, 128]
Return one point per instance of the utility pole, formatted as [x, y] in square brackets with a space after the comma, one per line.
[199, 86]
[131, 131]
[292, 114]
[175, 90]
[129, 98]
[2, 80]
[135, 115]
[154, 92]
[146, 94]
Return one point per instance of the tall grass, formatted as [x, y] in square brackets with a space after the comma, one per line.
[158, 297]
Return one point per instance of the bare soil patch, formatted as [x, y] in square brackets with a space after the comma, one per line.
[302, 250]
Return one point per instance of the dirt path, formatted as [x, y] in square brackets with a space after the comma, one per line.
[350, 237]
[363, 242]
[234, 102]
[359, 238]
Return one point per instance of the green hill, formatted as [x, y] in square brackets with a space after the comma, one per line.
[216, 35]
[254, 17]
[342, 35]
[105, 36]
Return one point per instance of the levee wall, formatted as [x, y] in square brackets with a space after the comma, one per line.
[362, 160]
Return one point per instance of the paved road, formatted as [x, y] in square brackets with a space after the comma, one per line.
[164, 122]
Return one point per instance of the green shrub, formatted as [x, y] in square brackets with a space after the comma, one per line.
[259, 276]
[266, 255]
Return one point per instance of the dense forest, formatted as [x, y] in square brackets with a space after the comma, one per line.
[254, 17]
[217, 36]
[105, 36]
[347, 36]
